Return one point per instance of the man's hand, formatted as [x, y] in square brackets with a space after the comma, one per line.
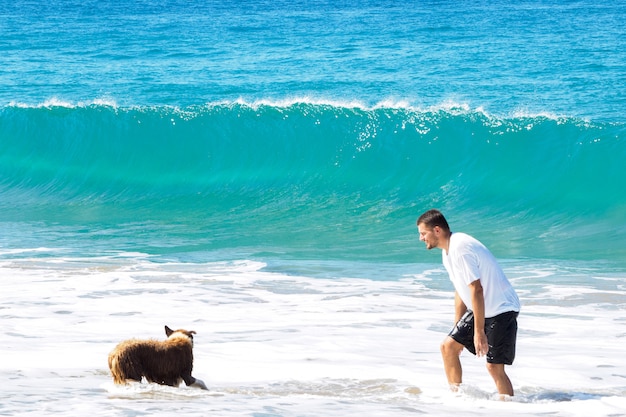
[480, 343]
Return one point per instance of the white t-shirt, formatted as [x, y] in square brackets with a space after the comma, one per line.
[468, 260]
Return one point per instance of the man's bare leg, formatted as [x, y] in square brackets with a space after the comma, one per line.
[503, 383]
[450, 352]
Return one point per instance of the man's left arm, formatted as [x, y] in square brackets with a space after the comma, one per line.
[478, 307]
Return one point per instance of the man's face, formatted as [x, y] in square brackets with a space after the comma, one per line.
[429, 236]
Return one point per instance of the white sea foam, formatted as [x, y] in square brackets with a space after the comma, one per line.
[59, 102]
[268, 343]
[456, 107]
[451, 106]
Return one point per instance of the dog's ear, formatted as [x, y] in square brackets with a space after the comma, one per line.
[168, 331]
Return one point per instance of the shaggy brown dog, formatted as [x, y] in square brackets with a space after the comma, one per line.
[167, 363]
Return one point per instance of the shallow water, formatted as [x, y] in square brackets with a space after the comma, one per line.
[272, 344]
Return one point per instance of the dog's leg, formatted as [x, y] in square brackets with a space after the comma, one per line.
[194, 382]
[199, 384]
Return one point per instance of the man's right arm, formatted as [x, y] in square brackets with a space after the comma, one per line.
[459, 308]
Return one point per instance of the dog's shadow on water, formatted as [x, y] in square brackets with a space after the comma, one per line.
[143, 390]
[339, 388]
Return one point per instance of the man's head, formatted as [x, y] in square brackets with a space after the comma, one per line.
[433, 229]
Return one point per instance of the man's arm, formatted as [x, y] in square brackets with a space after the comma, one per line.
[459, 308]
[478, 307]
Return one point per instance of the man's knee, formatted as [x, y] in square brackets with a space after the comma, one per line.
[449, 346]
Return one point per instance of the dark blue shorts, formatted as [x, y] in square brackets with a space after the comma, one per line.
[501, 332]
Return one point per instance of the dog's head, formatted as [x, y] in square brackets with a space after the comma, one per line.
[182, 332]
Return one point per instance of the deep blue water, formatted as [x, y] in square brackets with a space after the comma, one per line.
[565, 58]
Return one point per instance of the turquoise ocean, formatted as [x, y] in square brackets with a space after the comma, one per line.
[254, 169]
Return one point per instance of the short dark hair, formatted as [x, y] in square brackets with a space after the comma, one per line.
[432, 218]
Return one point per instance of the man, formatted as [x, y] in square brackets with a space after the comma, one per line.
[486, 305]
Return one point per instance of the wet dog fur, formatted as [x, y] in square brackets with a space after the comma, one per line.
[167, 362]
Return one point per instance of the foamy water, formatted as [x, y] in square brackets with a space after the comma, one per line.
[272, 344]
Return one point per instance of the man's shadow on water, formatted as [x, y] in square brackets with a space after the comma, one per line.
[563, 396]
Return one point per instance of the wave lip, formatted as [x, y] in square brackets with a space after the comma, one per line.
[57, 102]
[446, 106]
